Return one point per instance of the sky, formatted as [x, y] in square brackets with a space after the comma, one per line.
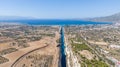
[59, 9]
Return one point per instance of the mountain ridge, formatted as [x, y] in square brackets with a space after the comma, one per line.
[15, 18]
[115, 18]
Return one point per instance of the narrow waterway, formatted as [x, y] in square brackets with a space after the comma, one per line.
[63, 56]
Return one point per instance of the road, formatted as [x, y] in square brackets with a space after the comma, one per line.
[95, 51]
[17, 61]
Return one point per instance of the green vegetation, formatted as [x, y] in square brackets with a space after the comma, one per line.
[84, 61]
[79, 40]
[35, 38]
[93, 63]
[58, 40]
[51, 35]
[7, 51]
[80, 47]
[3, 60]
[38, 60]
[22, 43]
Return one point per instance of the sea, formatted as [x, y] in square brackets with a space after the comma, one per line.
[53, 22]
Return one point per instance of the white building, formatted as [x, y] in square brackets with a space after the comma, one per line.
[117, 63]
[115, 46]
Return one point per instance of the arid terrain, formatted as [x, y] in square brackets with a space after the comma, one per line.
[29, 46]
[40, 46]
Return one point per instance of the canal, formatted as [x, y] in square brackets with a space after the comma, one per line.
[63, 56]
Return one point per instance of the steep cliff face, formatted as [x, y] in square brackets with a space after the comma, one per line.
[71, 59]
[112, 18]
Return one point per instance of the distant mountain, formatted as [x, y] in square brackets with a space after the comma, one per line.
[14, 18]
[112, 18]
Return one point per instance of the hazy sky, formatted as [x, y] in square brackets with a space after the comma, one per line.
[60, 9]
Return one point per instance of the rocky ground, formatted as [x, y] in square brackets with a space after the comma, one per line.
[25, 49]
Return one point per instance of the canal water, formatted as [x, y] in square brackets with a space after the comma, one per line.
[63, 56]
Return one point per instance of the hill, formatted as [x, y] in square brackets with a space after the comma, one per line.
[14, 18]
[112, 18]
